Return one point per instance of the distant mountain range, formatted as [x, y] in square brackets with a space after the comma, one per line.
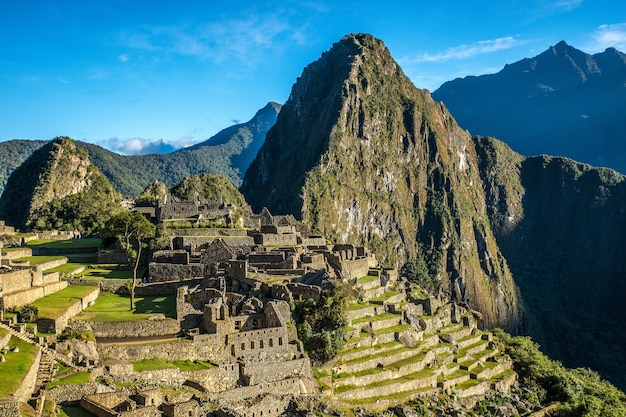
[228, 153]
[561, 102]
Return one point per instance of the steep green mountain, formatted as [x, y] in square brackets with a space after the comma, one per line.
[208, 189]
[12, 154]
[561, 102]
[562, 227]
[228, 153]
[363, 156]
[58, 187]
[152, 194]
[535, 244]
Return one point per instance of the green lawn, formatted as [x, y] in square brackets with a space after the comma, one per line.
[96, 273]
[67, 244]
[40, 259]
[115, 308]
[156, 363]
[16, 366]
[75, 379]
[66, 268]
[54, 305]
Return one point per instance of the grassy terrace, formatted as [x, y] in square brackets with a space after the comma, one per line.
[384, 296]
[54, 305]
[105, 273]
[16, 366]
[359, 305]
[184, 365]
[401, 349]
[40, 259]
[367, 279]
[406, 378]
[66, 244]
[74, 379]
[378, 317]
[116, 308]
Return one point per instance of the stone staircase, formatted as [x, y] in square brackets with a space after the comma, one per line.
[387, 359]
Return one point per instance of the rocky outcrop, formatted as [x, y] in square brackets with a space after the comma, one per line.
[361, 155]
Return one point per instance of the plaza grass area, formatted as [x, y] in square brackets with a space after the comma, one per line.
[66, 244]
[54, 305]
[116, 308]
[184, 365]
[16, 366]
[40, 259]
[106, 273]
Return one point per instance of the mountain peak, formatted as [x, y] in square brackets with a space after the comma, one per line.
[361, 155]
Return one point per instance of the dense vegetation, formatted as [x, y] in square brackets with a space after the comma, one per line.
[58, 187]
[208, 189]
[580, 392]
[322, 325]
[12, 154]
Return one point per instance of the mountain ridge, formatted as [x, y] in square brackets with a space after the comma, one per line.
[561, 102]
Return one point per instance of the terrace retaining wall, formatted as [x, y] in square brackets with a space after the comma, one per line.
[140, 328]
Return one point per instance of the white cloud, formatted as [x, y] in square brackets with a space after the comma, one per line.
[467, 50]
[142, 146]
[123, 58]
[243, 39]
[566, 5]
[608, 36]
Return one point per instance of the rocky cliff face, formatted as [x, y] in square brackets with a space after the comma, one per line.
[363, 156]
[57, 173]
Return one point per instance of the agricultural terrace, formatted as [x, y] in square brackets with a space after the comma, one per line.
[54, 305]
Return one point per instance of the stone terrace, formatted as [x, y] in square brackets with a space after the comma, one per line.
[398, 350]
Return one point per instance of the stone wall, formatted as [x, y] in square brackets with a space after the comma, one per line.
[205, 347]
[139, 328]
[287, 239]
[112, 257]
[17, 253]
[263, 372]
[286, 386]
[213, 380]
[207, 232]
[25, 390]
[10, 409]
[271, 344]
[20, 278]
[191, 242]
[161, 272]
[29, 295]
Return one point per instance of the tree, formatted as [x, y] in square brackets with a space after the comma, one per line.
[133, 231]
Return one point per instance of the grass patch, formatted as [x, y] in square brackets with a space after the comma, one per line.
[75, 379]
[16, 366]
[367, 279]
[54, 305]
[385, 296]
[359, 305]
[469, 384]
[378, 317]
[67, 411]
[152, 364]
[116, 308]
[40, 259]
[66, 244]
[104, 273]
[184, 365]
[394, 329]
[67, 268]
[378, 355]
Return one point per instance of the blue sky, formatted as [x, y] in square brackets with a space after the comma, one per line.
[152, 76]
